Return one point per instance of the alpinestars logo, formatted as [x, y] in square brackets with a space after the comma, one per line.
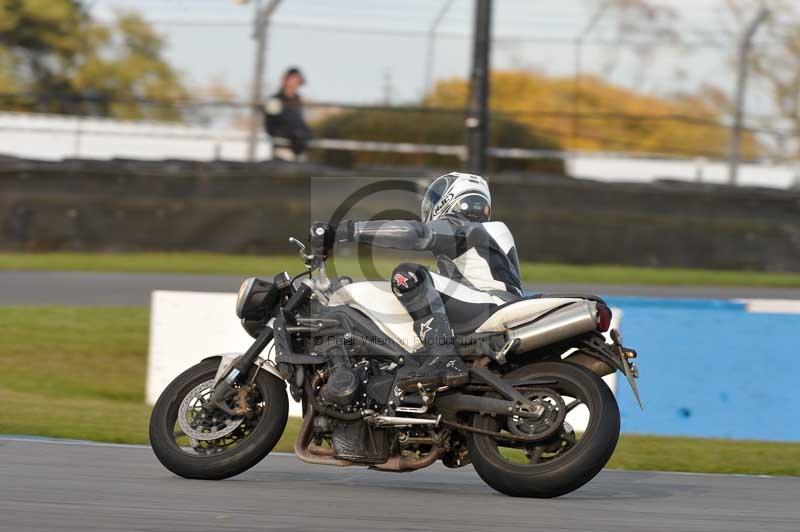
[425, 328]
[401, 280]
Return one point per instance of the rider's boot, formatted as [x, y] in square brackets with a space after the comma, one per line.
[414, 287]
[442, 365]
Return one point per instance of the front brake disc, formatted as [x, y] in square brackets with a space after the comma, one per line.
[196, 423]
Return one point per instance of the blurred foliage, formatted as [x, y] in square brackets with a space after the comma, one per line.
[55, 58]
[600, 115]
[774, 59]
[216, 90]
[421, 126]
[775, 66]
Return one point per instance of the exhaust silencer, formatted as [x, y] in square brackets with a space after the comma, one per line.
[577, 318]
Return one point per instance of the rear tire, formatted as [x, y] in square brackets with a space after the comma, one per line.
[252, 448]
[565, 473]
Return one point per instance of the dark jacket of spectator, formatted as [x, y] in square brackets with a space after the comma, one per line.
[284, 120]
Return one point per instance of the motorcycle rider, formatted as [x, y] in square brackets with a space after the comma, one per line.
[476, 258]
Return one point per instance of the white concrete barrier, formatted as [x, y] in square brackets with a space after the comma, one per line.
[55, 137]
[186, 327]
[771, 306]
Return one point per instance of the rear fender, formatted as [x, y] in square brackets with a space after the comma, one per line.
[597, 356]
[593, 361]
[603, 359]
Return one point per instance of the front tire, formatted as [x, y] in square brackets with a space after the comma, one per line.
[223, 462]
[563, 473]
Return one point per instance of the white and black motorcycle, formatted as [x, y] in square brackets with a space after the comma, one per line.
[535, 418]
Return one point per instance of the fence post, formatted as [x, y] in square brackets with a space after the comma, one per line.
[260, 35]
[429, 54]
[745, 45]
[477, 121]
[578, 45]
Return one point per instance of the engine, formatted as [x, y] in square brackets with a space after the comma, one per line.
[351, 388]
[344, 388]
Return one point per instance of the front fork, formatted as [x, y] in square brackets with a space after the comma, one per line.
[226, 382]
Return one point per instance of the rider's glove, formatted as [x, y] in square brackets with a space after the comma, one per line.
[321, 236]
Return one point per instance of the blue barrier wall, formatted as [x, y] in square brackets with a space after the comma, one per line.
[712, 369]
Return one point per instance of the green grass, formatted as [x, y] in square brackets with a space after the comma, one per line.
[654, 453]
[245, 265]
[78, 372]
[74, 372]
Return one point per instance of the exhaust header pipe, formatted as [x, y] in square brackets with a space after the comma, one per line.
[572, 320]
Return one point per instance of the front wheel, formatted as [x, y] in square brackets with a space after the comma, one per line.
[568, 458]
[201, 443]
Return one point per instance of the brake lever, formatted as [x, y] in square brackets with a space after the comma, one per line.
[303, 255]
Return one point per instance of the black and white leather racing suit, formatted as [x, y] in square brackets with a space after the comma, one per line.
[478, 269]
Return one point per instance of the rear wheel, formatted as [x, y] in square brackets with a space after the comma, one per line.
[194, 442]
[565, 458]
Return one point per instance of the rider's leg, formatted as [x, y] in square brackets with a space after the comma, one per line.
[413, 286]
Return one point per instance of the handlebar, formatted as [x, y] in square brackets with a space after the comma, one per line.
[323, 283]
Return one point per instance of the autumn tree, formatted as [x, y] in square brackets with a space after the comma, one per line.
[422, 126]
[55, 58]
[613, 118]
[774, 60]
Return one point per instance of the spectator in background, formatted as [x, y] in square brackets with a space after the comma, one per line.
[283, 117]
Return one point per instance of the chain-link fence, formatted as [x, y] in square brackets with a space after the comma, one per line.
[625, 81]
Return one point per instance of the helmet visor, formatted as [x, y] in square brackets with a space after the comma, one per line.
[434, 195]
[474, 207]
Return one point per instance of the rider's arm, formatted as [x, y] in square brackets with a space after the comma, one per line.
[398, 234]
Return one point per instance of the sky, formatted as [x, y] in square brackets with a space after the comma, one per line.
[368, 51]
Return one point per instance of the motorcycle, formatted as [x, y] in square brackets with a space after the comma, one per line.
[535, 418]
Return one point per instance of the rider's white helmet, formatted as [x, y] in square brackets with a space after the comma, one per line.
[457, 193]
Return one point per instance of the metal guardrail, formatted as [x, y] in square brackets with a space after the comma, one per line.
[79, 126]
[54, 137]
[460, 151]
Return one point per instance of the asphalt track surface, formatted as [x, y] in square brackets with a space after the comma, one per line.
[77, 486]
[91, 289]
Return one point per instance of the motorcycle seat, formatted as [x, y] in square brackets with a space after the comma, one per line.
[491, 314]
[496, 318]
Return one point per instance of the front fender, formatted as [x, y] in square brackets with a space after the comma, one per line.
[227, 360]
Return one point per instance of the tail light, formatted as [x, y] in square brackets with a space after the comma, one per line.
[603, 317]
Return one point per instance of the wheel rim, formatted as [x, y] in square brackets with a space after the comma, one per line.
[566, 405]
[200, 431]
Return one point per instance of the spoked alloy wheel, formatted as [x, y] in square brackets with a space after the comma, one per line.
[195, 441]
[561, 459]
